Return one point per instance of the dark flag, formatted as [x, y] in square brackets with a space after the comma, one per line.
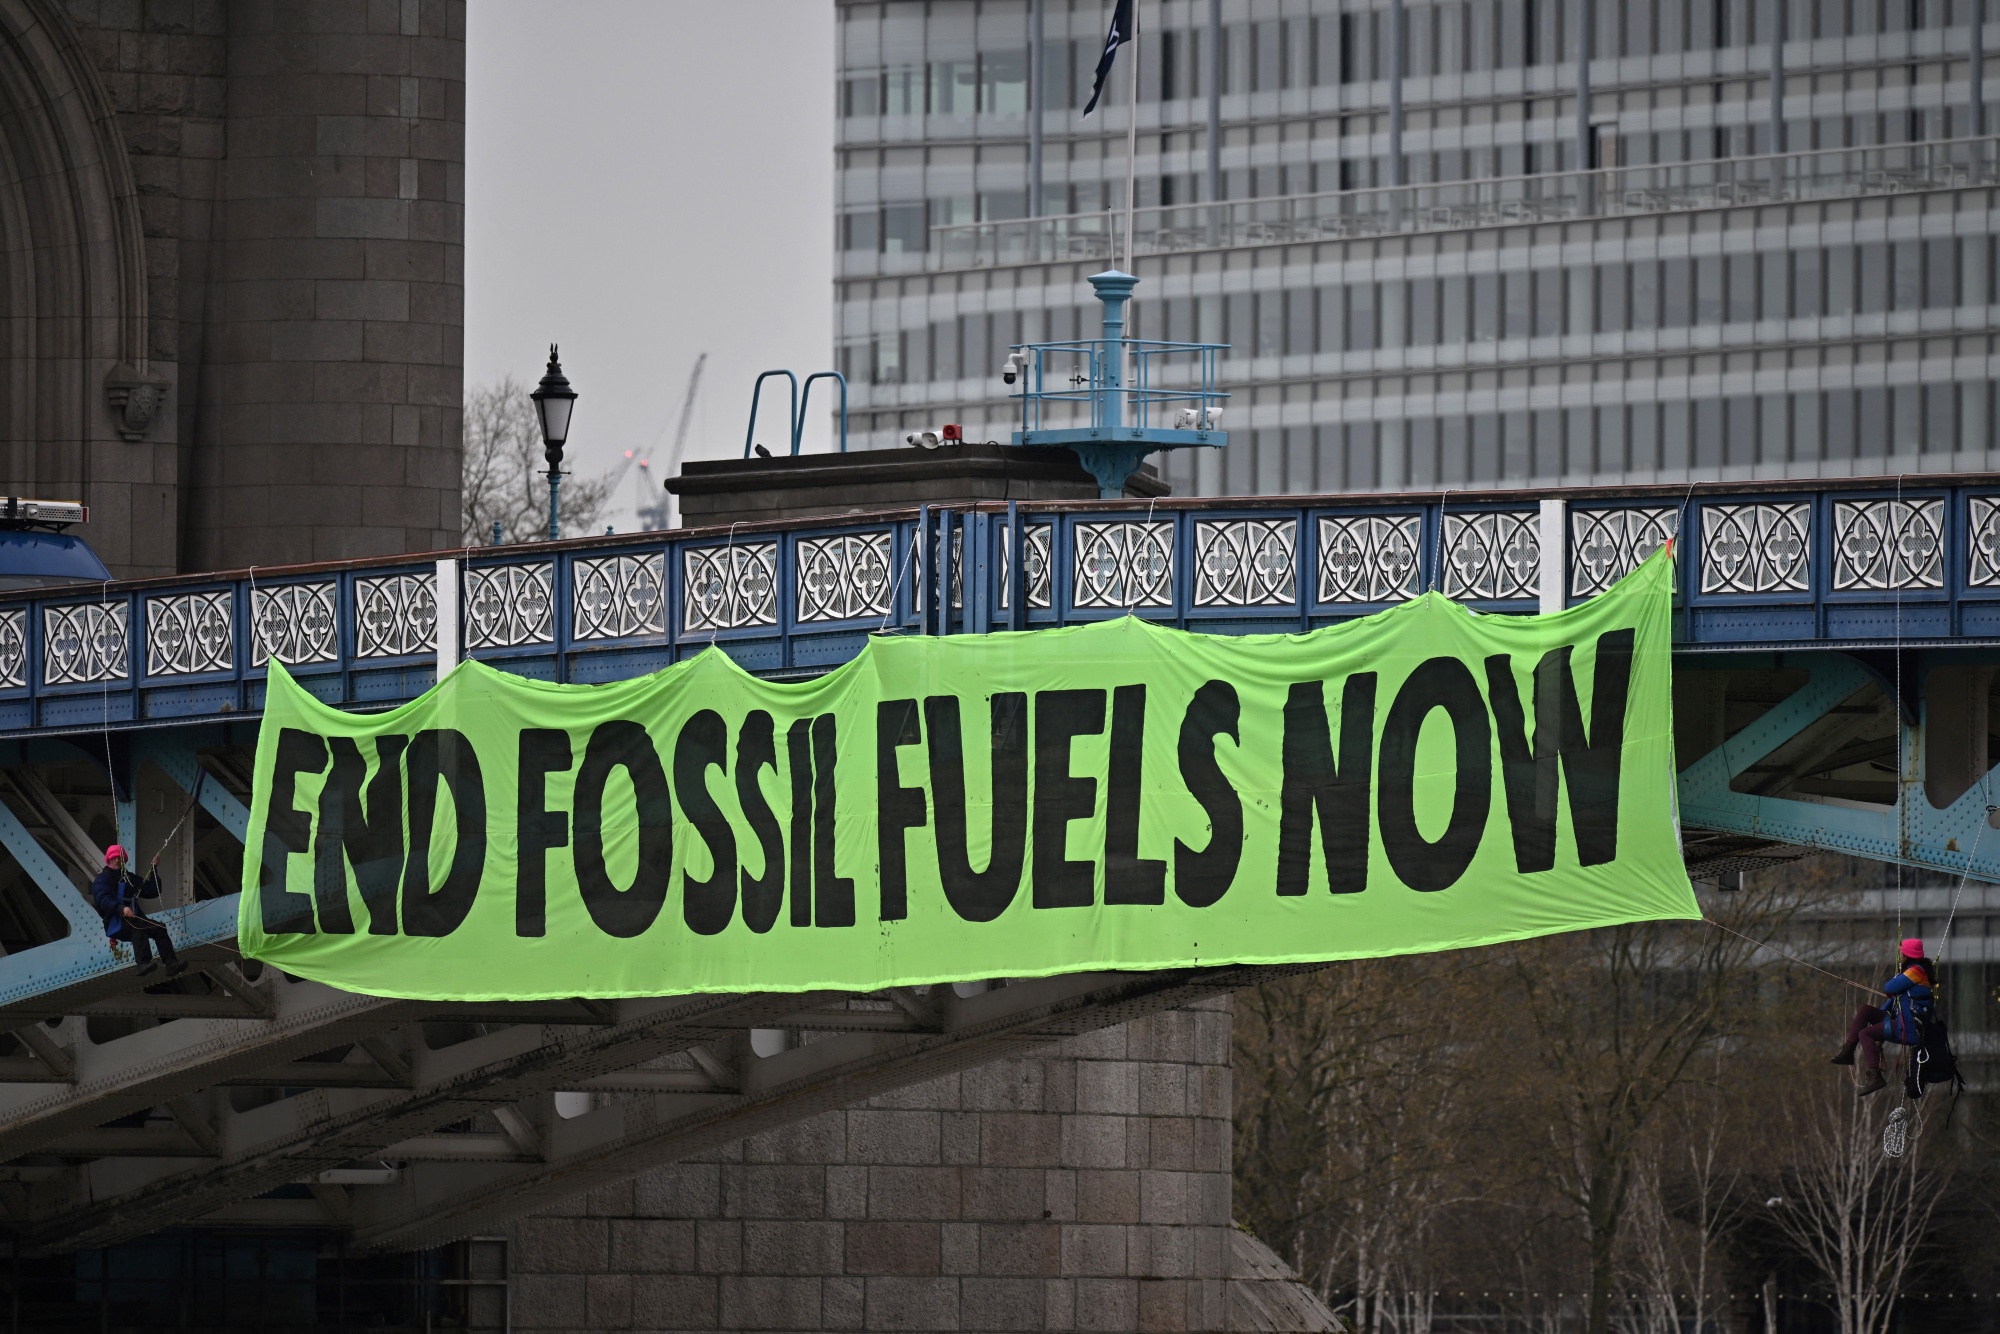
[1121, 33]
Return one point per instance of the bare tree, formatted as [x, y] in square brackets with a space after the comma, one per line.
[1619, 1018]
[506, 477]
[1685, 1200]
[1855, 1214]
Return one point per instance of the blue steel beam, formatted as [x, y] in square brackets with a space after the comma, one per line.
[1911, 831]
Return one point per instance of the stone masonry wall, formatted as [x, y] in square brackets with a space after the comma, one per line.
[1086, 1189]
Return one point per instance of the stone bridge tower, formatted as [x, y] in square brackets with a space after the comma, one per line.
[231, 287]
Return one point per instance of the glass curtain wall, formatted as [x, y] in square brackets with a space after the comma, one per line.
[1755, 337]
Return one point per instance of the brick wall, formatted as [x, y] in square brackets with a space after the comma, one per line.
[1085, 1189]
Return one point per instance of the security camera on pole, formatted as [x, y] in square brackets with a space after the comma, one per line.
[553, 401]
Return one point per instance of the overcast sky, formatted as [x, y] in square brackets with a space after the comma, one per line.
[644, 182]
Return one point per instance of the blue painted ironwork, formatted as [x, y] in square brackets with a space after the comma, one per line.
[1123, 422]
[791, 422]
[1957, 838]
[795, 427]
[801, 597]
[805, 401]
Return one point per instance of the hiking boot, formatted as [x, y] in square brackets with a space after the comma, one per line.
[1845, 1056]
[177, 967]
[1872, 1082]
[147, 967]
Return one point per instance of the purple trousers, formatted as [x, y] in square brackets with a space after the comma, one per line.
[1866, 1028]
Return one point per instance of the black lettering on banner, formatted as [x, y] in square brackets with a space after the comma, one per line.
[706, 905]
[1200, 878]
[1128, 877]
[443, 755]
[898, 808]
[833, 894]
[346, 833]
[1590, 764]
[629, 911]
[1315, 785]
[756, 748]
[798, 750]
[980, 896]
[1060, 797]
[286, 829]
[1437, 683]
[544, 751]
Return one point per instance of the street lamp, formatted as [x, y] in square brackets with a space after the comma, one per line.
[554, 400]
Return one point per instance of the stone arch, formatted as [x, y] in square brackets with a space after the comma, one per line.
[72, 263]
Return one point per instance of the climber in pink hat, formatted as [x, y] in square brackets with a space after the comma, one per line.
[117, 894]
[1910, 1006]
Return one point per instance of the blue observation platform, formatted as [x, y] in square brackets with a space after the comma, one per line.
[1114, 400]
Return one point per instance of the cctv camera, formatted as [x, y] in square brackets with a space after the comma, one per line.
[922, 439]
[1016, 363]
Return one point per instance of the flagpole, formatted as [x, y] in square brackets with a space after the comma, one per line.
[1132, 140]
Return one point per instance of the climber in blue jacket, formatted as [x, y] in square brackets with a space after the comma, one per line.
[117, 892]
[1911, 1002]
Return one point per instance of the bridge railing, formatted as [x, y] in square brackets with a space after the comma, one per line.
[1768, 565]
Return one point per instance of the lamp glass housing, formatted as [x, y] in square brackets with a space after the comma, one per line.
[554, 409]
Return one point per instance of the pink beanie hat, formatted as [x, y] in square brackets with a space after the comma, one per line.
[1913, 948]
[115, 850]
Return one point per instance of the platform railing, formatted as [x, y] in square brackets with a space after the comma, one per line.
[1829, 173]
[1858, 561]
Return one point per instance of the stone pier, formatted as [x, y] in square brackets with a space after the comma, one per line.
[1084, 1189]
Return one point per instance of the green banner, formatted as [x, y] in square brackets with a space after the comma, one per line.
[1109, 796]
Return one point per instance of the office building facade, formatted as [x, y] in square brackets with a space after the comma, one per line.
[1743, 238]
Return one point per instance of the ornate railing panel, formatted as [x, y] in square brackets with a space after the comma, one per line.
[1492, 555]
[1246, 562]
[729, 587]
[1369, 557]
[13, 648]
[298, 624]
[395, 616]
[1888, 544]
[1757, 548]
[508, 606]
[190, 633]
[619, 597]
[844, 576]
[1124, 564]
[84, 643]
[1605, 545]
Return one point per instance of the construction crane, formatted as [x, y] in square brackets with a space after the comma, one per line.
[660, 510]
[654, 506]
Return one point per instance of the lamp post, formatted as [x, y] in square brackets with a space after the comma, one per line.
[553, 401]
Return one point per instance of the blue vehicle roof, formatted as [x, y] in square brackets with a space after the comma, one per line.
[29, 558]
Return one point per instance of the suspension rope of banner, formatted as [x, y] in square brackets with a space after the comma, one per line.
[1896, 706]
[1765, 944]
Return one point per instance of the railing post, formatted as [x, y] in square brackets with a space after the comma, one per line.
[1555, 563]
[447, 617]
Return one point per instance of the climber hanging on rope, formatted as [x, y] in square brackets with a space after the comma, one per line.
[1900, 1020]
[117, 892]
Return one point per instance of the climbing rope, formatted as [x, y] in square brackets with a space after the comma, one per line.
[1896, 1132]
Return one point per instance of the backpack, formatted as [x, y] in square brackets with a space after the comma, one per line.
[1931, 1063]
